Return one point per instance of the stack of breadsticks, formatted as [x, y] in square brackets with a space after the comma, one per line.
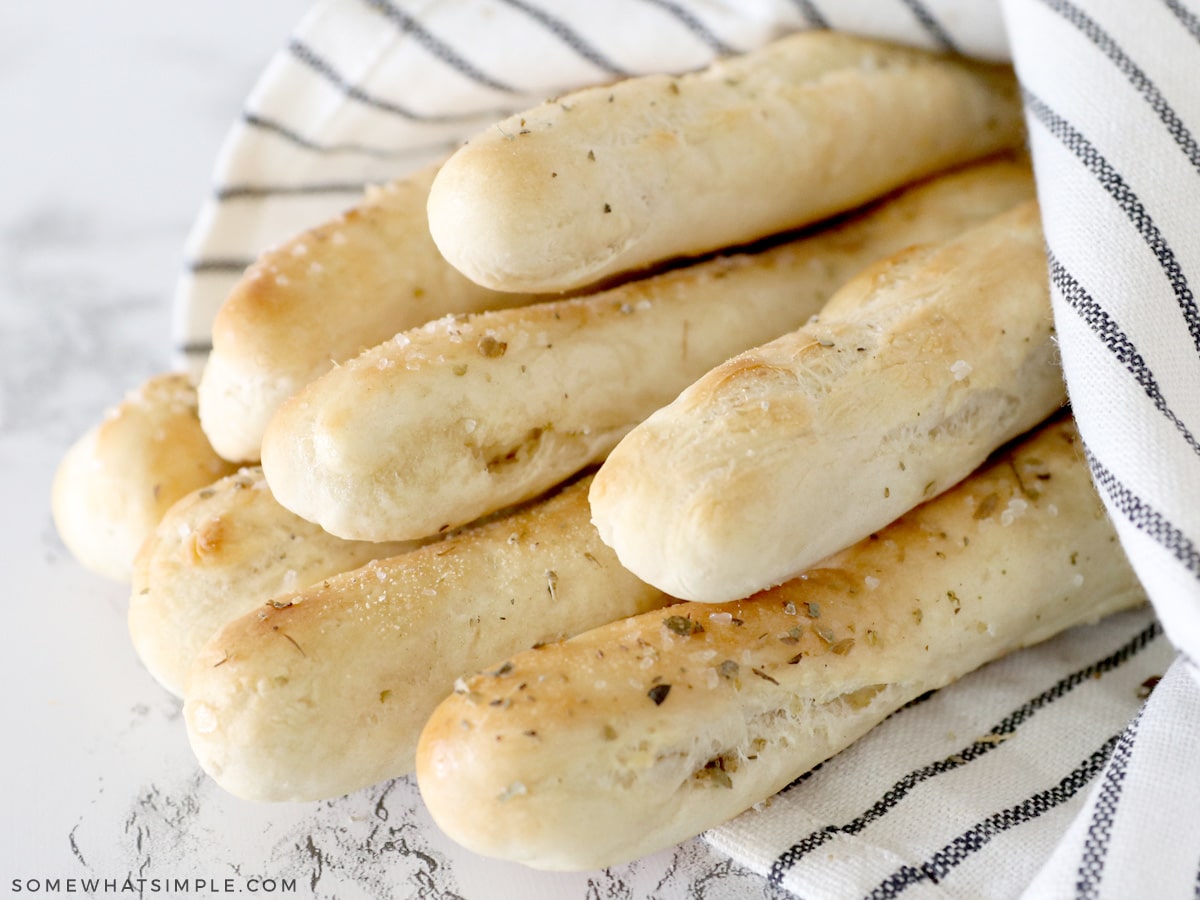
[623, 467]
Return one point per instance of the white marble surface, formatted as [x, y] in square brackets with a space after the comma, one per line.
[112, 115]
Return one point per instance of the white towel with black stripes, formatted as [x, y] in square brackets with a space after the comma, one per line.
[1043, 775]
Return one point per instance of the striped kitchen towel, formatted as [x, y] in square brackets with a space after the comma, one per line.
[1041, 775]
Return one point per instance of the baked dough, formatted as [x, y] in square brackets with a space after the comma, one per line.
[914, 372]
[319, 299]
[642, 733]
[117, 480]
[465, 416]
[616, 178]
[324, 691]
[219, 552]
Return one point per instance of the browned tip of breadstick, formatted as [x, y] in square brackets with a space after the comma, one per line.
[219, 552]
[115, 483]
[616, 178]
[640, 734]
[322, 297]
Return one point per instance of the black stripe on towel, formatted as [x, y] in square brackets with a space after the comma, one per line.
[1095, 845]
[1136, 77]
[1145, 518]
[409, 25]
[695, 26]
[1127, 200]
[974, 839]
[1117, 342]
[261, 123]
[931, 25]
[305, 54]
[243, 191]
[1185, 16]
[1000, 732]
[568, 36]
[195, 348]
[813, 16]
[229, 265]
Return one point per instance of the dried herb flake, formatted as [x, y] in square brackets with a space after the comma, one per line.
[763, 675]
[682, 625]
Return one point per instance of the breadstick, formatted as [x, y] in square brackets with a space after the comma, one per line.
[637, 735]
[615, 178]
[913, 373]
[324, 691]
[463, 417]
[319, 299]
[117, 480]
[219, 552]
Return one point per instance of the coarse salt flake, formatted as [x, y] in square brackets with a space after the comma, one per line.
[1015, 509]
[204, 719]
[961, 369]
[516, 789]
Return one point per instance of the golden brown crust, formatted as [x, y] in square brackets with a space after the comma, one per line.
[319, 299]
[468, 415]
[639, 734]
[324, 691]
[115, 483]
[614, 178]
[218, 553]
[912, 374]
